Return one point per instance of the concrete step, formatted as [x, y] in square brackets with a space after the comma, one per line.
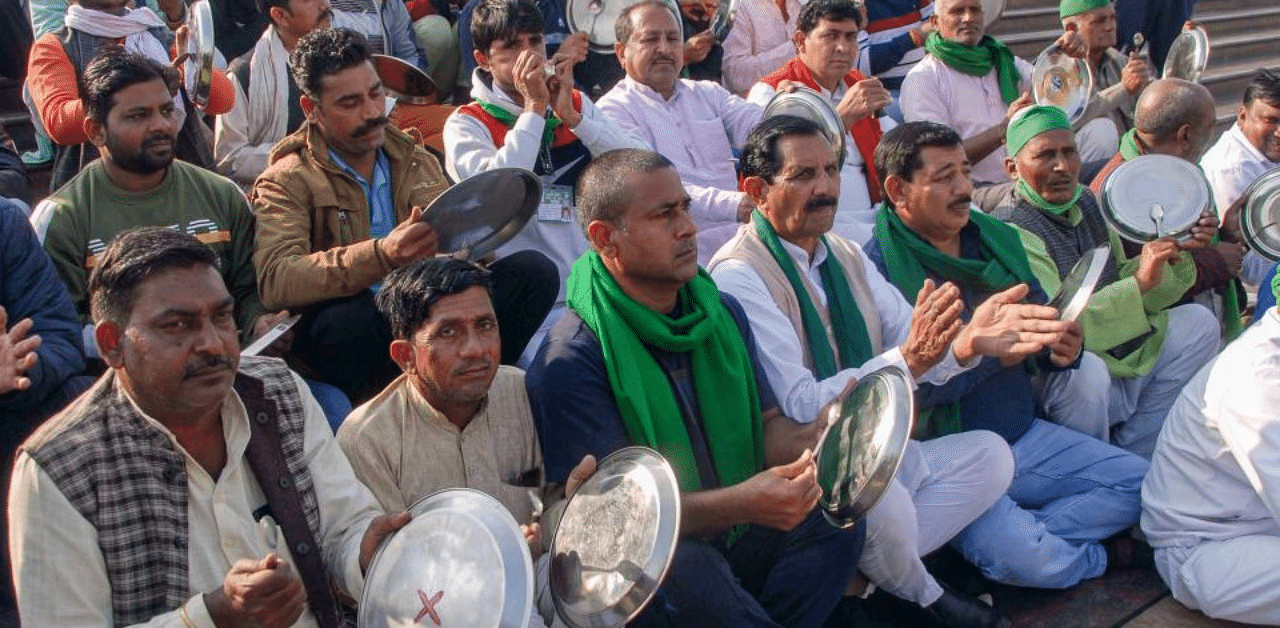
[1015, 21]
[1256, 21]
[1257, 48]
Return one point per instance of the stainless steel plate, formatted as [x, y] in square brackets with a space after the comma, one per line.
[1134, 190]
[405, 81]
[198, 70]
[1079, 284]
[861, 449]
[1062, 81]
[991, 10]
[1260, 220]
[596, 18]
[811, 105]
[722, 22]
[615, 540]
[1188, 55]
[461, 562]
[478, 215]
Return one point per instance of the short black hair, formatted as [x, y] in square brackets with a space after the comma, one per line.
[602, 193]
[325, 52]
[135, 256]
[760, 152]
[831, 10]
[503, 20]
[265, 6]
[900, 148]
[408, 293]
[622, 27]
[1266, 86]
[113, 69]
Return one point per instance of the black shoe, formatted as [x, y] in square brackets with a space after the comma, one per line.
[957, 610]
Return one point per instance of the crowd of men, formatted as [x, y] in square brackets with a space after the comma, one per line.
[698, 278]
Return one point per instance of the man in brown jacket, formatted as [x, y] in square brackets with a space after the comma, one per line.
[340, 206]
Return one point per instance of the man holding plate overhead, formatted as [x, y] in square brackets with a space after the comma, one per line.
[652, 353]
[1117, 80]
[1151, 350]
[1070, 491]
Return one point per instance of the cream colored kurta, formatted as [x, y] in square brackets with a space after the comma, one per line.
[403, 449]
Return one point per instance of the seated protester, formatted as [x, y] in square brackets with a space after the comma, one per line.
[58, 61]
[161, 453]
[942, 484]
[131, 118]
[1070, 491]
[826, 41]
[651, 353]
[760, 41]
[970, 82]
[1150, 349]
[454, 418]
[702, 53]
[1176, 117]
[384, 24]
[341, 206]
[521, 118]
[696, 124]
[1117, 79]
[1208, 503]
[236, 25]
[1245, 152]
[895, 30]
[602, 68]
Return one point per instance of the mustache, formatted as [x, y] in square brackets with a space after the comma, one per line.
[484, 363]
[207, 365]
[156, 138]
[965, 200]
[820, 202]
[370, 126]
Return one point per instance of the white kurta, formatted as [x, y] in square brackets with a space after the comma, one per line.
[1231, 165]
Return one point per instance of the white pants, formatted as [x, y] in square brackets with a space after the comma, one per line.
[1080, 398]
[942, 486]
[1235, 579]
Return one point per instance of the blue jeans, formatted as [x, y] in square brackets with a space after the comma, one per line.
[1069, 492]
[768, 579]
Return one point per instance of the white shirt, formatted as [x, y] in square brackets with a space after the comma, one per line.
[697, 129]
[855, 216]
[60, 575]
[759, 42]
[1215, 474]
[780, 350]
[969, 104]
[1231, 165]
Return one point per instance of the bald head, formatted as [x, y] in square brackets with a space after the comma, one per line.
[1175, 117]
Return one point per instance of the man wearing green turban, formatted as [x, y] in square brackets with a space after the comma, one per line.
[1150, 347]
[1117, 80]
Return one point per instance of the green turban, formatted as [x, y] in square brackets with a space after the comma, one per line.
[1068, 8]
[1031, 122]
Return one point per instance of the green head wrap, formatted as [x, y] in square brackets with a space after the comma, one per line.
[1068, 8]
[1031, 122]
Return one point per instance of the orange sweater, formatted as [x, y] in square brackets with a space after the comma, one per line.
[52, 81]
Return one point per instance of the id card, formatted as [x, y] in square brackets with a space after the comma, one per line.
[557, 203]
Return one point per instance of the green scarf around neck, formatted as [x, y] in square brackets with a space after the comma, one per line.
[723, 378]
[978, 60]
[1129, 147]
[1037, 200]
[509, 119]
[847, 324]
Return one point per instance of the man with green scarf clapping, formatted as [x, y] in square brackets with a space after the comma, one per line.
[651, 353]
[1150, 348]
[1070, 490]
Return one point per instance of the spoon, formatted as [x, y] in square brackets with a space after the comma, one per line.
[1157, 214]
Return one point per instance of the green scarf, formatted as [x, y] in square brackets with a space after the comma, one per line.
[978, 60]
[1037, 200]
[847, 324]
[1129, 147]
[723, 378]
[509, 119]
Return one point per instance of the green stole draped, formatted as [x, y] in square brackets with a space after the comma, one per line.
[847, 324]
[1129, 147]
[978, 61]
[1034, 198]
[908, 259]
[509, 119]
[723, 377]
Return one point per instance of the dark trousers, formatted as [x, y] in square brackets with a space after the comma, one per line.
[768, 579]
[346, 342]
[1160, 21]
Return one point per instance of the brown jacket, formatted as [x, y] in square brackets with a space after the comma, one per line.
[313, 241]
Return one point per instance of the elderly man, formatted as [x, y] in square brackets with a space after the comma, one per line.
[1248, 149]
[789, 172]
[696, 124]
[341, 206]
[163, 452]
[826, 40]
[1117, 80]
[1150, 349]
[1070, 491]
[651, 353]
[971, 83]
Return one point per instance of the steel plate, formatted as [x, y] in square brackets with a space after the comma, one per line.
[722, 22]
[1135, 188]
[476, 216]
[1062, 81]
[1188, 55]
[1079, 284]
[615, 540]
[811, 105]
[861, 449]
[1260, 220]
[991, 10]
[460, 563]
[198, 70]
[596, 18]
[405, 81]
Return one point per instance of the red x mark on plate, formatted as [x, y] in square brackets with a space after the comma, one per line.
[429, 606]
